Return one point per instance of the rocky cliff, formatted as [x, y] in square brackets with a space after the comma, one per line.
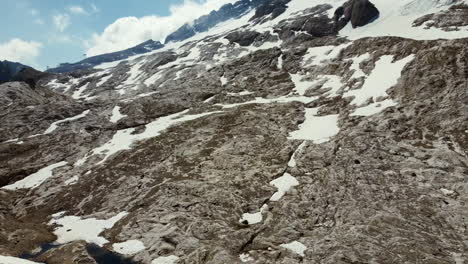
[298, 138]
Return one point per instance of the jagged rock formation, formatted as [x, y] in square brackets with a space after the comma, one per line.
[275, 142]
[269, 10]
[226, 12]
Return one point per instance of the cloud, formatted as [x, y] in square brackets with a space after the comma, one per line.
[61, 21]
[77, 10]
[20, 51]
[126, 32]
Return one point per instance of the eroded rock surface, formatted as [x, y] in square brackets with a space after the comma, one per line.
[296, 147]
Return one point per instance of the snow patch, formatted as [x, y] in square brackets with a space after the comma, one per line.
[245, 258]
[209, 99]
[129, 247]
[317, 55]
[223, 80]
[116, 115]
[104, 80]
[74, 228]
[54, 125]
[281, 99]
[446, 191]
[15, 140]
[318, 129]
[135, 73]
[124, 139]
[385, 75]
[292, 161]
[78, 93]
[356, 65]
[13, 260]
[280, 62]
[396, 19]
[333, 82]
[153, 78]
[284, 184]
[165, 260]
[296, 247]
[55, 85]
[240, 93]
[34, 180]
[300, 85]
[264, 46]
[254, 218]
[108, 65]
[72, 180]
[373, 108]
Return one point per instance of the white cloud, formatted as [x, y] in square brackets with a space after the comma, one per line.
[126, 32]
[20, 51]
[61, 21]
[77, 10]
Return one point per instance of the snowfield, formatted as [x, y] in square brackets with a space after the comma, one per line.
[35, 179]
[74, 228]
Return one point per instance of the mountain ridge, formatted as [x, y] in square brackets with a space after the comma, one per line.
[90, 62]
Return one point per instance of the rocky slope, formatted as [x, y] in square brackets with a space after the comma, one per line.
[302, 138]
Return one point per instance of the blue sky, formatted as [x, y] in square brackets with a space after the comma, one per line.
[45, 33]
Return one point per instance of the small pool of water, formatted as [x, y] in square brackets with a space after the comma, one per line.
[100, 255]
[44, 249]
[104, 256]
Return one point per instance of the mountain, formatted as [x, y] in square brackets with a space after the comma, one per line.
[90, 62]
[13, 71]
[334, 132]
[9, 69]
[226, 12]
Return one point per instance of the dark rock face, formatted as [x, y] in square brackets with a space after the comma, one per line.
[16, 72]
[314, 22]
[90, 62]
[9, 69]
[163, 58]
[243, 38]
[269, 10]
[30, 76]
[359, 12]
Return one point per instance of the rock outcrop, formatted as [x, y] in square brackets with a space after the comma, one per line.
[449, 20]
[358, 12]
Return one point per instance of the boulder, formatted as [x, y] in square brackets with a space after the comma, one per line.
[243, 38]
[359, 12]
